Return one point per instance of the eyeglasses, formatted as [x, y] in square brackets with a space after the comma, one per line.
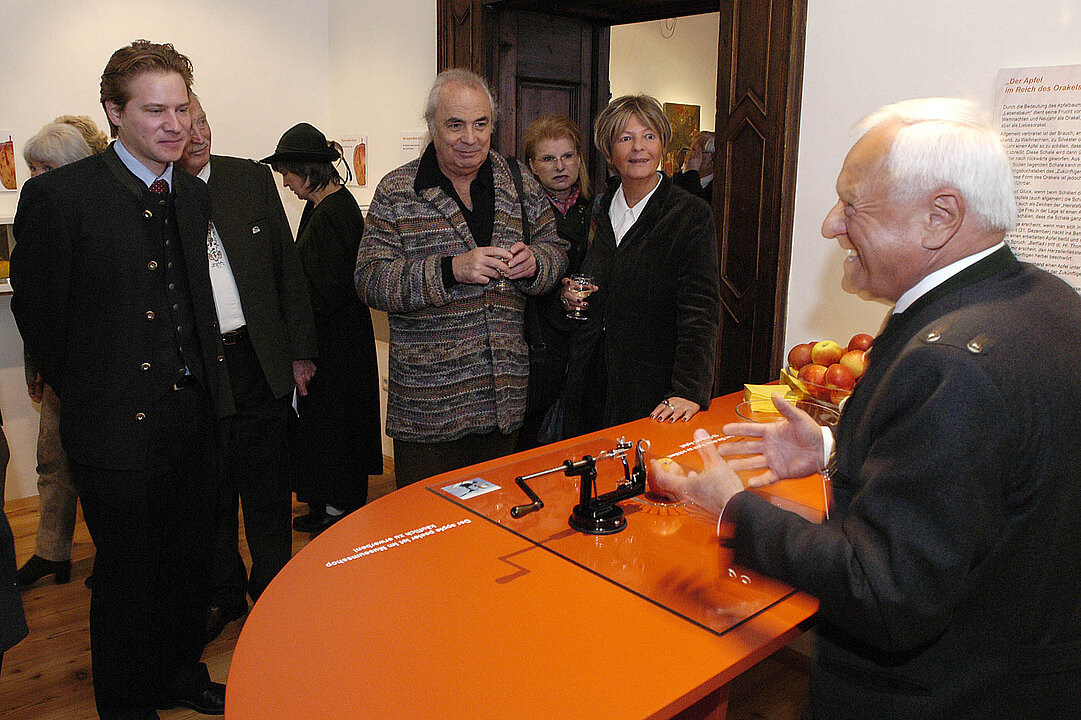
[551, 159]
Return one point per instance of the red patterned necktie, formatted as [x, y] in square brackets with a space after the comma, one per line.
[159, 187]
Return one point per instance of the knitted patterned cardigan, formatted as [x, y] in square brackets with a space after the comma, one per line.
[458, 362]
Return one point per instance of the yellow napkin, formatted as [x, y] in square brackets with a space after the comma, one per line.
[761, 396]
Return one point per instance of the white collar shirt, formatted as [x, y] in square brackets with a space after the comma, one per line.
[940, 276]
[623, 216]
[222, 281]
[913, 294]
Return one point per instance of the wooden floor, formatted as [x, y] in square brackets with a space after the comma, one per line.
[47, 675]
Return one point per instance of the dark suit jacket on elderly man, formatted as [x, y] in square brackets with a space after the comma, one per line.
[279, 328]
[956, 501]
[947, 573]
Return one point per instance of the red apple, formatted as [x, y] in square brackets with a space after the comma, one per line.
[826, 353]
[862, 341]
[814, 378]
[856, 361]
[813, 373]
[800, 355]
[840, 377]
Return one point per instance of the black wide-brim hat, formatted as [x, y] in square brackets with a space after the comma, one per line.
[303, 143]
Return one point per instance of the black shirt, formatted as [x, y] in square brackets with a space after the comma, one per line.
[481, 191]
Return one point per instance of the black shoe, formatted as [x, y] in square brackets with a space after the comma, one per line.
[315, 522]
[38, 567]
[218, 616]
[208, 699]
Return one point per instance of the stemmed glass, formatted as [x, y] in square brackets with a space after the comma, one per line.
[581, 287]
[502, 284]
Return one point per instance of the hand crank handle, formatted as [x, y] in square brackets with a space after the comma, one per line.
[522, 510]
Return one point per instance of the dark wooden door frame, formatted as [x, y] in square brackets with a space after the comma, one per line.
[759, 87]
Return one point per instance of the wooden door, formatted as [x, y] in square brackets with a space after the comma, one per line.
[545, 64]
[759, 83]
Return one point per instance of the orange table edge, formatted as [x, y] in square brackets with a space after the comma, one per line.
[414, 607]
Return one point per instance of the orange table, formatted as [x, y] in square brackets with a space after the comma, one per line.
[421, 605]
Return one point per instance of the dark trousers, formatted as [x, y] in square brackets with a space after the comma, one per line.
[255, 443]
[415, 461]
[153, 530]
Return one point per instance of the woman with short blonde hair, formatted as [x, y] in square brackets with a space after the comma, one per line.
[55, 145]
[94, 136]
[613, 119]
[555, 154]
[648, 345]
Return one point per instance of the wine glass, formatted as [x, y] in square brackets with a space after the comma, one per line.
[502, 284]
[581, 287]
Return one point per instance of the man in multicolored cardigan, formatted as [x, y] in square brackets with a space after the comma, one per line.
[445, 255]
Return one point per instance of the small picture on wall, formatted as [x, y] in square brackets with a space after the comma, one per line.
[684, 119]
[7, 161]
[355, 152]
[413, 144]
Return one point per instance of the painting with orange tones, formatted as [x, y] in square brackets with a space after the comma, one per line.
[685, 123]
[355, 152]
[7, 160]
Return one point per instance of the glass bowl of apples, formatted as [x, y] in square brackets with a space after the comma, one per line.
[826, 372]
[821, 413]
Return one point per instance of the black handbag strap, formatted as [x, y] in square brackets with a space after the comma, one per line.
[516, 175]
[534, 333]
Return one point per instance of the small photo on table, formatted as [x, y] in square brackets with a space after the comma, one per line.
[470, 488]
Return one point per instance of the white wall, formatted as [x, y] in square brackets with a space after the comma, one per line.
[861, 55]
[260, 67]
[382, 63]
[379, 91]
[678, 69]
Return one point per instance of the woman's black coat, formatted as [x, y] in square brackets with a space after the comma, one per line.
[337, 441]
[655, 318]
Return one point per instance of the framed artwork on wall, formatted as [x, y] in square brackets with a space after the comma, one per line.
[355, 153]
[684, 119]
[7, 161]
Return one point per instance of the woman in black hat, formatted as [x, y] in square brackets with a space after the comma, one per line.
[337, 444]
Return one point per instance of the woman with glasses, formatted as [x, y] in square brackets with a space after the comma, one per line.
[553, 151]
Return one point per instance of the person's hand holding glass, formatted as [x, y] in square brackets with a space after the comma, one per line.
[496, 265]
[576, 289]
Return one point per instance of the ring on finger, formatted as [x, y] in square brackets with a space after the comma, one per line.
[667, 403]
